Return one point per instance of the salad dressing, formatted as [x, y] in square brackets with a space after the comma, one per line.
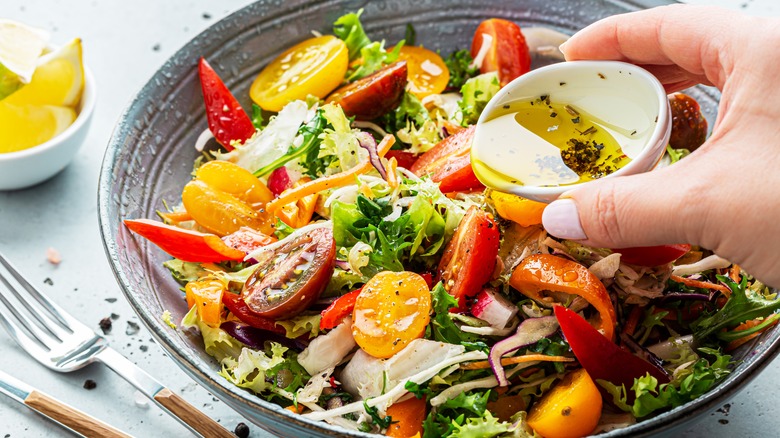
[537, 142]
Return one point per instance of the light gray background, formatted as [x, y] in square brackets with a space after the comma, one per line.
[125, 42]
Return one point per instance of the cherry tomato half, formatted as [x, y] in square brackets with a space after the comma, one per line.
[508, 53]
[689, 127]
[220, 212]
[315, 66]
[470, 257]
[374, 95]
[391, 310]
[449, 163]
[427, 72]
[291, 277]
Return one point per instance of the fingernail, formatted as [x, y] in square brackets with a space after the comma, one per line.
[562, 220]
[562, 48]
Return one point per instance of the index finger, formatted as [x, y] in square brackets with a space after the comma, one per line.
[695, 38]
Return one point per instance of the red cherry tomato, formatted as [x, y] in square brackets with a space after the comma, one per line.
[374, 95]
[291, 277]
[508, 53]
[650, 256]
[227, 120]
[405, 159]
[470, 257]
[449, 163]
[238, 307]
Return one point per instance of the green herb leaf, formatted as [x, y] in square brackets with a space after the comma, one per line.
[382, 422]
[411, 35]
[743, 305]
[676, 155]
[257, 116]
[442, 326]
[460, 65]
[311, 140]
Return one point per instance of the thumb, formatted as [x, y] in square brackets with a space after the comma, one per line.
[639, 210]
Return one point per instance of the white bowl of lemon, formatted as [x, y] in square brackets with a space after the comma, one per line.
[47, 97]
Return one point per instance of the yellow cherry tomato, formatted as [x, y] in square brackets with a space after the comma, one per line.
[231, 178]
[220, 212]
[315, 66]
[426, 71]
[521, 210]
[571, 409]
[391, 311]
[206, 293]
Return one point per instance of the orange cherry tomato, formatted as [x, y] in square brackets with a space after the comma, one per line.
[571, 409]
[299, 213]
[231, 178]
[546, 272]
[391, 311]
[408, 417]
[517, 209]
[219, 212]
[426, 71]
[206, 293]
[508, 53]
[315, 66]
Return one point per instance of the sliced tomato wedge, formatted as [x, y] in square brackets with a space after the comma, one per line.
[650, 256]
[247, 240]
[185, 245]
[449, 163]
[338, 310]
[507, 51]
[469, 259]
[405, 159]
[238, 307]
[374, 95]
[227, 119]
[288, 279]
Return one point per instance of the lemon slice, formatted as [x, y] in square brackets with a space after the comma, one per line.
[20, 47]
[58, 80]
[25, 126]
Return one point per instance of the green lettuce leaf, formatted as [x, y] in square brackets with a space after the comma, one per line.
[443, 328]
[349, 29]
[184, 272]
[300, 325]
[217, 342]
[410, 111]
[650, 396]
[373, 57]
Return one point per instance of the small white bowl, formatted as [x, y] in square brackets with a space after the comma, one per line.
[34, 165]
[600, 88]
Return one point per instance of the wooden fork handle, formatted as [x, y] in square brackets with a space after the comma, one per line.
[191, 415]
[71, 417]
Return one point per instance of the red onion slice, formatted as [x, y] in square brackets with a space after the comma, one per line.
[367, 142]
[530, 331]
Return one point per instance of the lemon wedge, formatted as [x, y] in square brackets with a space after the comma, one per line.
[58, 80]
[20, 47]
[25, 126]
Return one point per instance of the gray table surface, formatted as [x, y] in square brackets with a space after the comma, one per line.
[125, 42]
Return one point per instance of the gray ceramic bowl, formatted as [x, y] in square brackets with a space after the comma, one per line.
[150, 155]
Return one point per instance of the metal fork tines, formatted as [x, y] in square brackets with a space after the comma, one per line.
[41, 327]
[62, 343]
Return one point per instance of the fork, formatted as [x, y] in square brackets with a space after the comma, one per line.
[62, 343]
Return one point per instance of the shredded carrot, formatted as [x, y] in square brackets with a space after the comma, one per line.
[734, 272]
[702, 284]
[392, 176]
[633, 320]
[174, 217]
[517, 359]
[748, 325]
[294, 409]
[333, 181]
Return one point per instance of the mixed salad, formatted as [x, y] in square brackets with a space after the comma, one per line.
[341, 260]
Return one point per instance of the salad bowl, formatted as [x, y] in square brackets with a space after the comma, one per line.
[150, 154]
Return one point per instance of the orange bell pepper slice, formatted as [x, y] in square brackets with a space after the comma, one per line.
[185, 245]
[545, 272]
[408, 417]
[521, 210]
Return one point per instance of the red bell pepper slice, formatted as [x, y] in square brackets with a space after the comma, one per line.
[405, 159]
[238, 307]
[601, 358]
[227, 119]
[185, 245]
[650, 256]
[338, 310]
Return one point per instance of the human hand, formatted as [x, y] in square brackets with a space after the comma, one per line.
[725, 195]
